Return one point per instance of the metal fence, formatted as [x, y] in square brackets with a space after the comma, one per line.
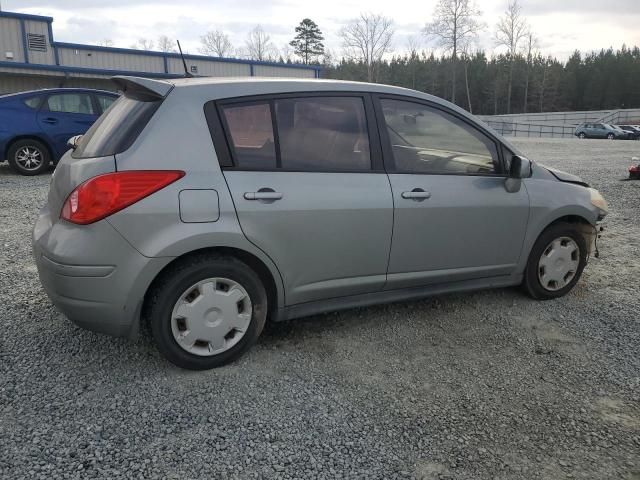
[556, 124]
[513, 129]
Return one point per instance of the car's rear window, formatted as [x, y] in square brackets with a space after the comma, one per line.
[117, 128]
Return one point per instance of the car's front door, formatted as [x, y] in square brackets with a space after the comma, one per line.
[64, 115]
[310, 190]
[599, 131]
[454, 220]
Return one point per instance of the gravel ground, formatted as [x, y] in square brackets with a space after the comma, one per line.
[484, 385]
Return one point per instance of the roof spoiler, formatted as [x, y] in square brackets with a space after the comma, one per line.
[143, 88]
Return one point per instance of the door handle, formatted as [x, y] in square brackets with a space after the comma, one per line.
[51, 121]
[263, 195]
[416, 194]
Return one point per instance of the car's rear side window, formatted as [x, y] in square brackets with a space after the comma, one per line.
[71, 103]
[32, 102]
[105, 101]
[250, 130]
[305, 133]
[117, 128]
[323, 134]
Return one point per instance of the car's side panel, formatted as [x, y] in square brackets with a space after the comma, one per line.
[468, 227]
[153, 225]
[551, 200]
[59, 127]
[471, 227]
[17, 121]
[329, 234]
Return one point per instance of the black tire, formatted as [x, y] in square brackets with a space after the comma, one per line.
[33, 145]
[611, 136]
[169, 287]
[531, 282]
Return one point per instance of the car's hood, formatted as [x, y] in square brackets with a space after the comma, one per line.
[565, 177]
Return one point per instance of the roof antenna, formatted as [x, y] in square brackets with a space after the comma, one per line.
[186, 72]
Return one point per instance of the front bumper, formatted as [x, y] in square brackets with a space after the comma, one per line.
[92, 274]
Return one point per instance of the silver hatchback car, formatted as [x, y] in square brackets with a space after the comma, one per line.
[209, 206]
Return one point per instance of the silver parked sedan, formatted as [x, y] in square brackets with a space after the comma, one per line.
[209, 206]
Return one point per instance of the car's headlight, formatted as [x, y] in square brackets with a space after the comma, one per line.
[598, 201]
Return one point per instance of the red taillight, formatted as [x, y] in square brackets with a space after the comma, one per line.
[107, 194]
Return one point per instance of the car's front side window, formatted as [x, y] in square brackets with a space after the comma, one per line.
[428, 140]
[71, 103]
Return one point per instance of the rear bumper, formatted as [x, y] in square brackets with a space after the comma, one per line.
[92, 275]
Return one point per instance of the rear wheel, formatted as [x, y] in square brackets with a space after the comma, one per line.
[556, 262]
[611, 136]
[582, 136]
[29, 157]
[207, 311]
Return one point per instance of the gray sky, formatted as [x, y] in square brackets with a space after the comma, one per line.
[561, 25]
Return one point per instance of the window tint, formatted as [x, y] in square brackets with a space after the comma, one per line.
[117, 129]
[323, 134]
[32, 102]
[105, 101]
[71, 103]
[428, 140]
[251, 131]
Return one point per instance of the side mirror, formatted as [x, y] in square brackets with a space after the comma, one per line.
[73, 142]
[513, 181]
[515, 168]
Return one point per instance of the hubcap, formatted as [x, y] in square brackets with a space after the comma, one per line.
[211, 316]
[558, 264]
[29, 158]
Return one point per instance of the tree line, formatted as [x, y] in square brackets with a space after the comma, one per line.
[499, 84]
[518, 79]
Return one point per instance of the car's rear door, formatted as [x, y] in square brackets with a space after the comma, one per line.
[306, 176]
[454, 220]
[63, 115]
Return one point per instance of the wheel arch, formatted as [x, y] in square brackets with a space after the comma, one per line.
[31, 136]
[578, 216]
[274, 294]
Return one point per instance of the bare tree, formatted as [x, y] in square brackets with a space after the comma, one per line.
[259, 44]
[165, 44]
[368, 38]
[216, 43]
[465, 63]
[143, 44]
[454, 27]
[413, 49]
[510, 31]
[531, 42]
[286, 52]
[107, 42]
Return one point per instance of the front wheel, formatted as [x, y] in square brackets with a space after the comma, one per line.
[29, 157]
[611, 136]
[207, 311]
[556, 262]
[582, 136]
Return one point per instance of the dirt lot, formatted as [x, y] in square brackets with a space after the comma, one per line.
[489, 385]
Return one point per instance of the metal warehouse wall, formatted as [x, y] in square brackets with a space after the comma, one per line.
[110, 61]
[11, 39]
[25, 67]
[11, 83]
[271, 71]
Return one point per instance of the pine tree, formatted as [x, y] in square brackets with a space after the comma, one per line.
[307, 43]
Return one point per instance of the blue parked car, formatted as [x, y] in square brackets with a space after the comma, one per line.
[35, 126]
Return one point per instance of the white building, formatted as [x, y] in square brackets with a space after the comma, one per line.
[31, 59]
